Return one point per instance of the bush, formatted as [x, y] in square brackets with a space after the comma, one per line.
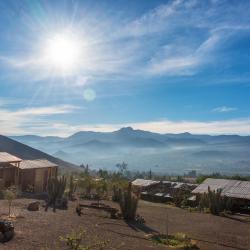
[10, 194]
[179, 241]
[75, 239]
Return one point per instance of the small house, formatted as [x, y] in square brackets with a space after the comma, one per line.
[238, 191]
[145, 185]
[28, 175]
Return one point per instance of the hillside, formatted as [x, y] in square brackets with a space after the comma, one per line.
[28, 153]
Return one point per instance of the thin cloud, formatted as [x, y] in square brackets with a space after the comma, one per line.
[191, 30]
[18, 121]
[234, 126]
[224, 109]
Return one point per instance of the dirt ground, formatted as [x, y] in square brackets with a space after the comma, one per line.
[41, 230]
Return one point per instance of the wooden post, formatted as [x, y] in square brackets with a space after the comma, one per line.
[18, 173]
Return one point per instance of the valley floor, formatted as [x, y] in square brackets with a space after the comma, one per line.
[41, 230]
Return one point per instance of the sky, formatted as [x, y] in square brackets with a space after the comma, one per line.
[163, 66]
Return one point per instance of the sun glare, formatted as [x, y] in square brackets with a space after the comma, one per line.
[63, 52]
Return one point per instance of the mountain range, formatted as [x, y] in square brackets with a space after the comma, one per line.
[144, 150]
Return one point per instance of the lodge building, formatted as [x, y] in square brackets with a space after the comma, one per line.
[25, 174]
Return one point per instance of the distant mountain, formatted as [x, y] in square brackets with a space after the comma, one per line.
[28, 153]
[144, 150]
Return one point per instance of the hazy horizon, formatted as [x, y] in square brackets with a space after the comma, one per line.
[100, 130]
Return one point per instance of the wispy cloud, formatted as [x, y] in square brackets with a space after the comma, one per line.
[184, 58]
[18, 121]
[224, 109]
[181, 38]
[234, 126]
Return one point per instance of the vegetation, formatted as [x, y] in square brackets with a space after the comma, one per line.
[180, 198]
[128, 200]
[215, 202]
[10, 194]
[116, 194]
[74, 241]
[179, 241]
[72, 187]
[101, 189]
[56, 189]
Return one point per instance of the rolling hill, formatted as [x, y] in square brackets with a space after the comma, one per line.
[28, 153]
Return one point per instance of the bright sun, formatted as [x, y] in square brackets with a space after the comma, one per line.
[63, 52]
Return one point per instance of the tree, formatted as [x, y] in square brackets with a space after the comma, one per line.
[122, 167]
[150, 174]
[103, 174]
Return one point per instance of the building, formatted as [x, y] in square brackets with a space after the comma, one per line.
[29, 175]
[145, 184]
[162, 191]
[238, 191]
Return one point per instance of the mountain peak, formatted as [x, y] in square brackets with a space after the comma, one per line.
[126, 129]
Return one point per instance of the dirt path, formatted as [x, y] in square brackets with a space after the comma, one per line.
[36, 230]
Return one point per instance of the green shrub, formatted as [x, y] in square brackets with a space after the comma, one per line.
[74, 241]
[10, 194]
[179, 241]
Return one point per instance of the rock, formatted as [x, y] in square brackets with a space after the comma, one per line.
[34, 206]
[6, 231]
[62, 203]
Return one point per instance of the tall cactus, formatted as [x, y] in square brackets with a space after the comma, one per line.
[128, 201]
[116, 194]
[56, 189]
[72, 187]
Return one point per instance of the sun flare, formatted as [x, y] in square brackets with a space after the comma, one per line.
[63, 52]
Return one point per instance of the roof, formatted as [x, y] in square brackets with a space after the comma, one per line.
[159, 194]
[144, 183]
[41, 163]
[168, 196]
[177, 185]
[192, 198]
[230, 188]
[8, 158]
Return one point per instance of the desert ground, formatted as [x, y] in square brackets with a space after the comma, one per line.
[41, 230]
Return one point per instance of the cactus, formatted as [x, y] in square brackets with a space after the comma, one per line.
[72, 187]
[116, 194]
[215, 202]
[128, 201]
[56, 188]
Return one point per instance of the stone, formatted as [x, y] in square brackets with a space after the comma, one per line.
[6, 230]
[34, 206]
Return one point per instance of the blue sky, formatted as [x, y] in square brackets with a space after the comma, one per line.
[164, 66]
